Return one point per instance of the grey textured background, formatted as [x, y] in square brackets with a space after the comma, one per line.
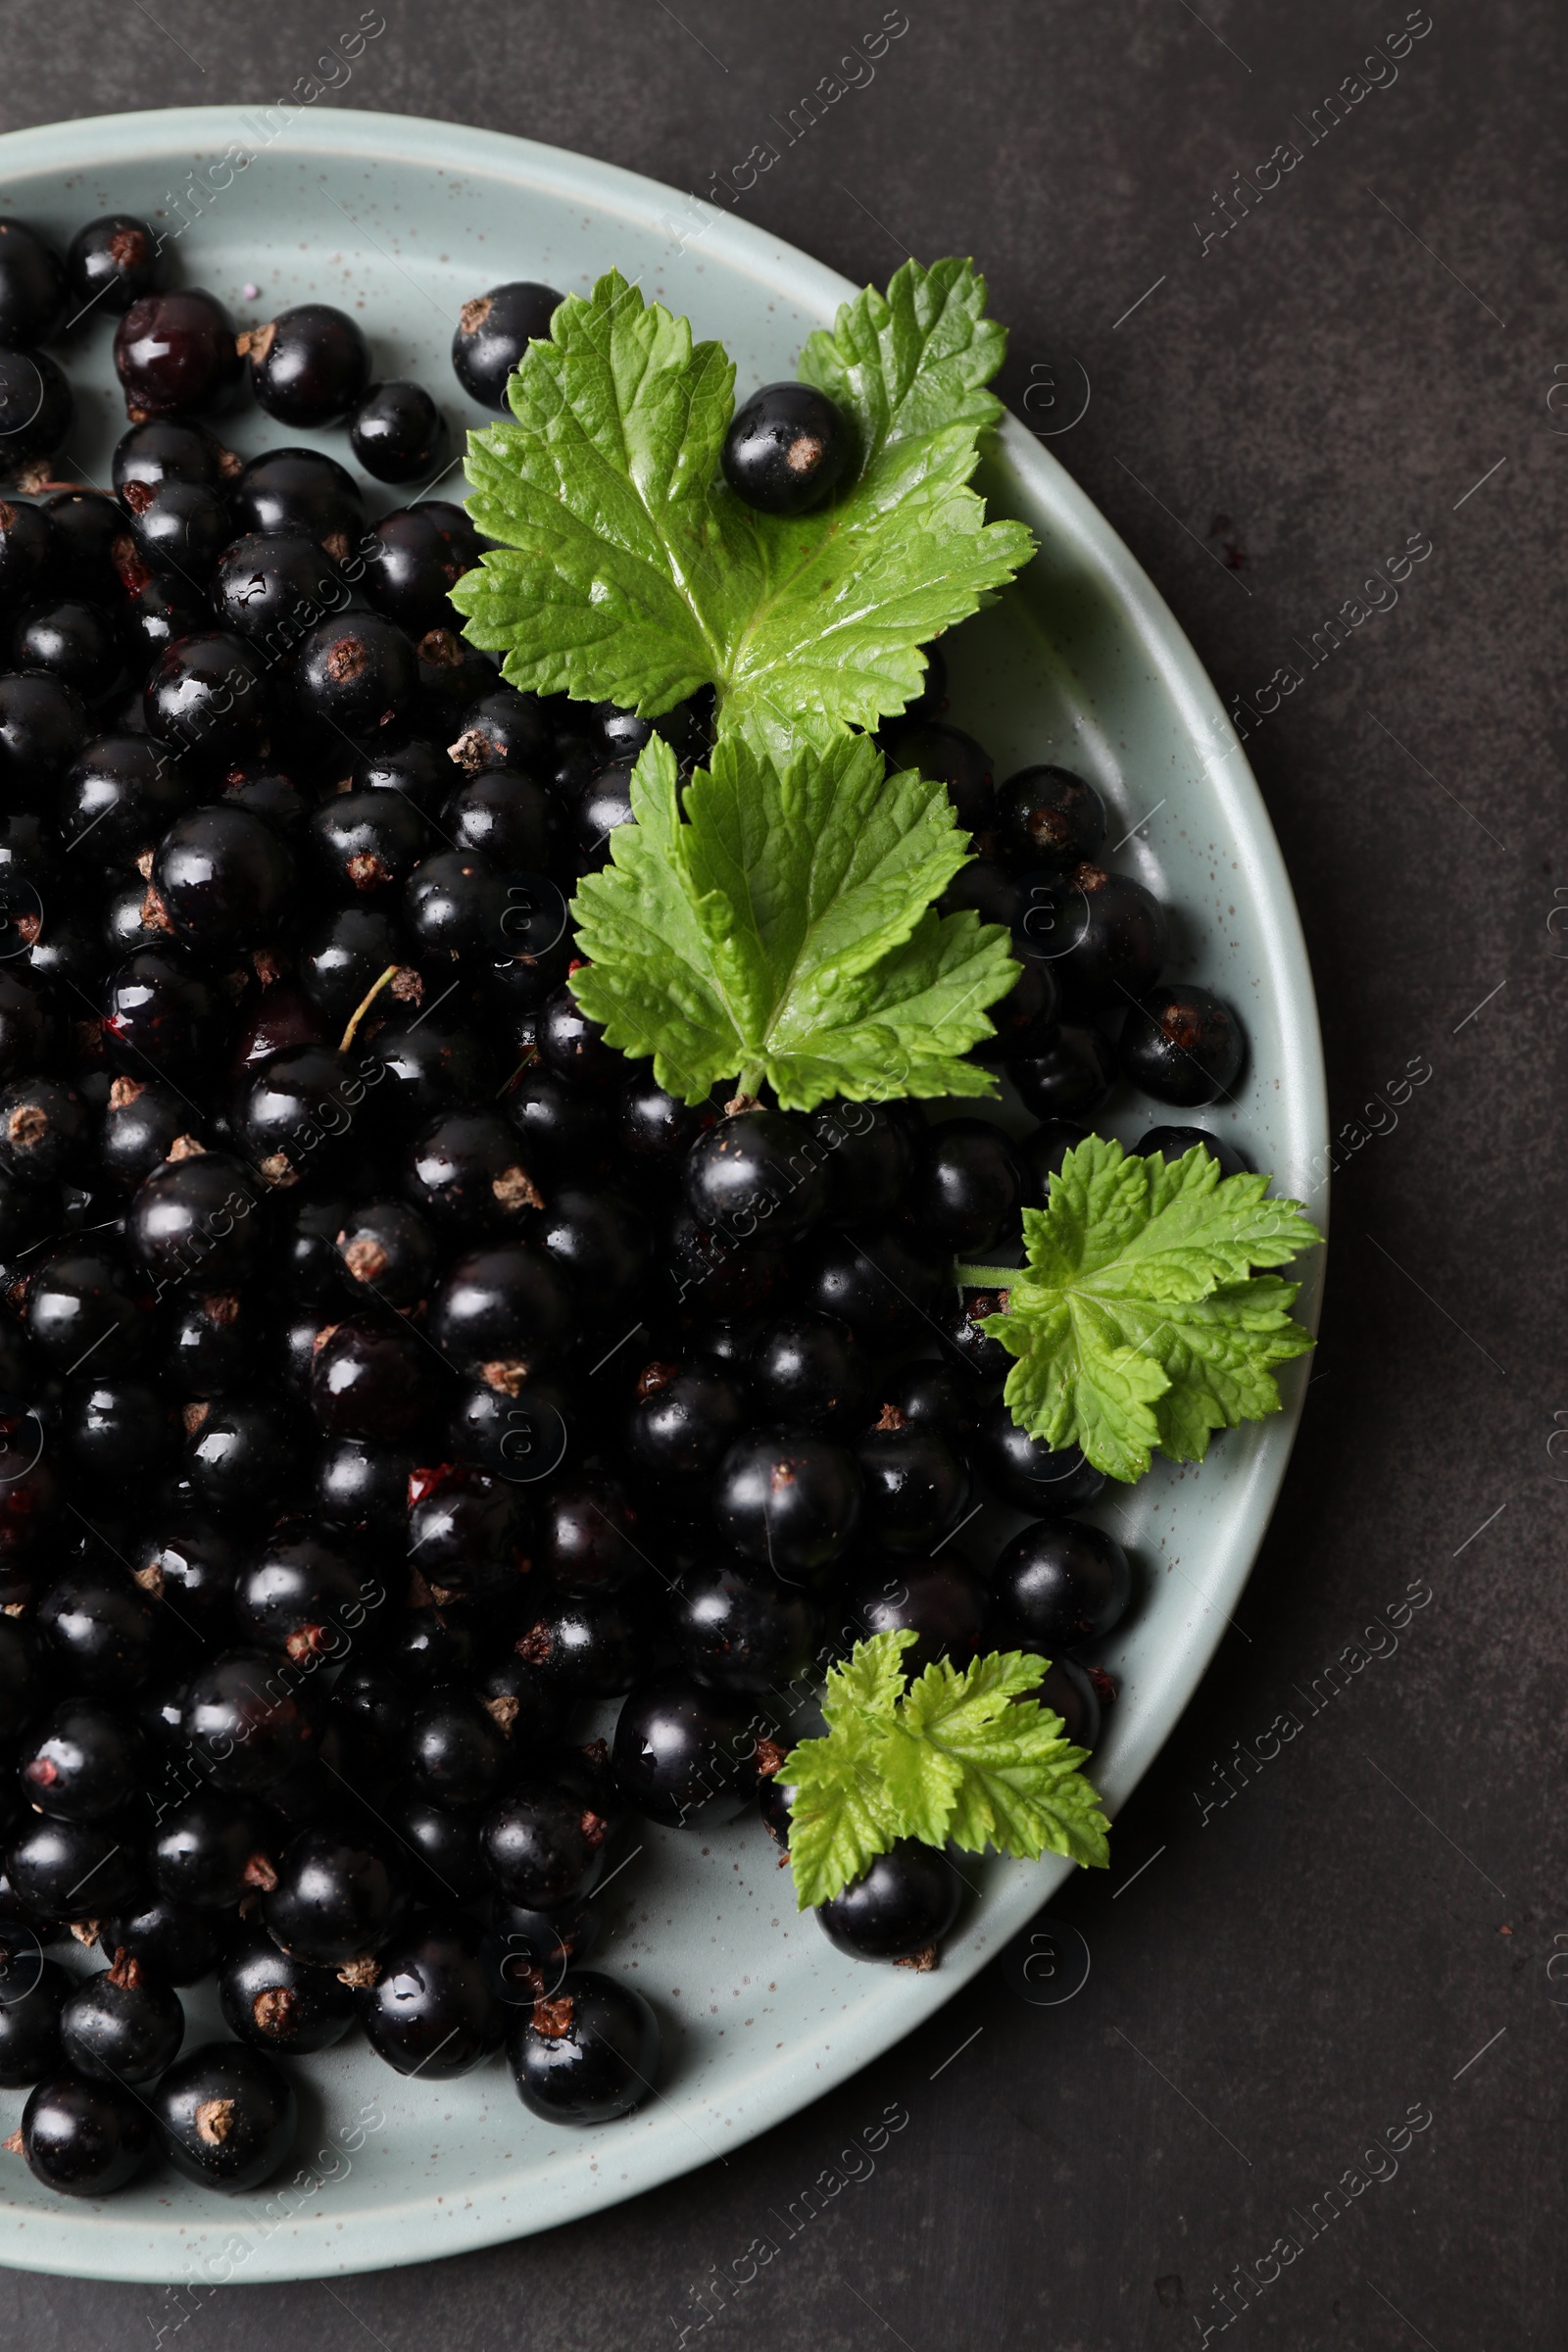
[1380, 1902]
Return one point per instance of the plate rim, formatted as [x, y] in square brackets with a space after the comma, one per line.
[127, 2250]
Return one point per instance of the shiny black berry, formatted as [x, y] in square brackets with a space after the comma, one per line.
[308, 366]
[210, 695]
[278, 2003]
[248, 1723]
[33, 286]
[685, 1753]
[586, 2053]
[122, 2025]
[226, 2116]
[1183, 1045]
[788, 449]
[336, 1900]
[84, 2138]
[415, 557]
[756, 1175]
[32, 1991]
[914, 1484]
[304, 492]
[493, 332]
[1026, 1472]
[1048, 821]
[432, 2010]
[176, 355]
[112, 263]
[1069, 1079]
[38, 410]
[900, 1909]
[1059, 1584]
[942, 1601]
[81, 1761]
[398, 432]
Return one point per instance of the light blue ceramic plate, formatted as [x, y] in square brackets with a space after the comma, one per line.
[400, 220]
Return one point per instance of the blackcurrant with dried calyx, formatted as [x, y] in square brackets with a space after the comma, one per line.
[1048, 819]
[269, 587]
[301, 1116]
[738, 1627]
[33, 286]
[1183, 1045]
[809, 1371]
[573, 1046]
[122, 2025]
[170, 449]
[415, 557]
[963, 1187]
[45, 1131]
[456, 906]
[176, 356]
[756, 1175]
[1039, 1156]
[962, 1320]
[913, 1484]
[33, 1992]
[589, 1646]
[343, 955]
[684, 1754]
[81, 1761]
[176, 527]
[466, 1170]
[505, 817]
[195, 1219]
[271, 792]
[301, 491]
[1113, 935]
[356, 674]
[338, 1899]
[587, 2053]
[174, 1945]
[85, 1301]
[658, 1129]
[276, 2002]
[1174, 1143]
[529, 1951]
[210, 695]
[948, 755]
[398, 432]
[899, 1909]
[301, 1597]
[212, 1850]
[158, 610]
[788, 448]
[682, 1421]
[38, 410]
[519, 1433]
[453, 1750]
[226, 2116]
[939, 1396]
[161, 1020]
[72, 1870]
[117, 798]
[99, 1628]
[1059, 1584]
[112, 263]
[83, 2138]
[543, 1843]
[432, 2010]
[363, 1484]
[469, 1535]
[563, 1127]
[504, 728]
[308, 366]
[372, 1377]
[885, 1288]
[1026, 1472]
[493, 332]
[942, 1599]
[248, 1723]
[453, 676]
[1072, 1078]
[75, 642]
[361, 842]
[189, 1564]
[388, 1251]
[791, 1497]
[211, 1341]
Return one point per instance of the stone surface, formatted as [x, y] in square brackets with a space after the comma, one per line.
[1368, 1925]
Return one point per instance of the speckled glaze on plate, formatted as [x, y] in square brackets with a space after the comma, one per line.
[399, 221]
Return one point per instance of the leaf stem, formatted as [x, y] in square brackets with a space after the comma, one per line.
[363, 1007]
[988, 1278]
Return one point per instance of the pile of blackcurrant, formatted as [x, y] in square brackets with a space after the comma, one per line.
[389, 1372]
